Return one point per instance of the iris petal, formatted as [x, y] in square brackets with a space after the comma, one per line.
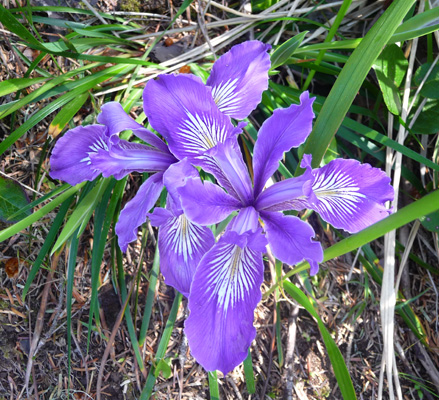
[291, 239]
[183, 111]
[136, 210]
[182, 244]
[285, 129]
[122, 158]
[224, 294]
[350, 195]
[206, 203]
[70, 160]
[114, 117]
[239, 77]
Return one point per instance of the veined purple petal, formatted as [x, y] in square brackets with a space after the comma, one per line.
[122, 158]
[285, 129]
[350, 195]
[281, 196]
[182, 244]
[253, 240]
[247, 220]
[206, 203]
[175, 177]
[291, 239]
[136, 210]
[229, 169]
[114, 117]
[183, 111]
[70, 159]
[224, 294]
[239, 77]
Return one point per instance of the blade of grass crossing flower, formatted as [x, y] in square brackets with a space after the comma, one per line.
[249, 374]
[82, 212]
[340, 15]
[338, 364]
[53, 106]
[153, 276]
[351, 78]
[161, 350]
[99, 239]
[213, 385]
[415, 210]
[71, 265]
[49, 239]
[24, 223]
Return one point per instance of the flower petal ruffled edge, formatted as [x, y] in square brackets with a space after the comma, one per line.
[239, 77]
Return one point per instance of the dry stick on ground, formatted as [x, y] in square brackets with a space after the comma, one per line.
[289, 356]
[40, 318]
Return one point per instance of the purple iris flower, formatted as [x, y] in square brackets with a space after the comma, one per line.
[226, 286]
[182, 105]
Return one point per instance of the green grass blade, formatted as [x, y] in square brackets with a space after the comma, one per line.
[153, 276]
[82, 212]
[338, 364]
[24, 223]
[71, 265]
[161, 350]
[101, 195]
[66, 114]
[332, 31]
[50, 238]
[351, 78]
[419, 25]
[11, 23]
[213, 386]
[415, 210]
[249, 374]
[14, 85]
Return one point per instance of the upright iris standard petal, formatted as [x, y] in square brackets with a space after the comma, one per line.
[122, 158]
[182, 244]
[229, 169]
[350, 195]
[224, 294]
[136, 210]
[183, 111]
[285, 129]
[70, 159]
[239, 77]
[206, 203]
[291, 239]
[114, 117]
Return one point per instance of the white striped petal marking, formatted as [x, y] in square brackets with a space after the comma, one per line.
[233, 273]
[183, 237]
[201, 133]
[338, 194]
[95, 147]
[226, 96]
